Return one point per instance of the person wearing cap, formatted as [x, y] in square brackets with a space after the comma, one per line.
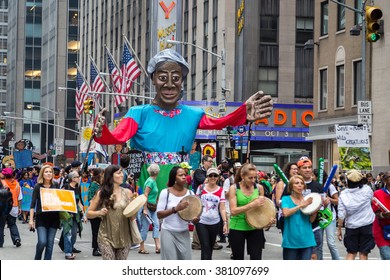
[165, 127]
[12, 184]
[187, 169]
[212, 197]
[305, 169]
[382, 218]
[355, 210]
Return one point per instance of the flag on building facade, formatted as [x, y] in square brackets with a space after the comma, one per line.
[81, 94]
[96, 82]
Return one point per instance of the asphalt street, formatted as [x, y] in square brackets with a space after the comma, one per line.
[272, 251]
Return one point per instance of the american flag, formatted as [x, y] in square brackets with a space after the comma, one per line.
[115, 74]
[96, 82]
[81, 94]
[130, 69]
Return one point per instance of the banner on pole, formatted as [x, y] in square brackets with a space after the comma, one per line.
[354, 147]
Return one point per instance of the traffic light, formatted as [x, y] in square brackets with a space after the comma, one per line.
[2, 125]
[88, 107]
[373, 15]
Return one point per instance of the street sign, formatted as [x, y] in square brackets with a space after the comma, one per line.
[222, 137]
[241, 130]
[364, 107]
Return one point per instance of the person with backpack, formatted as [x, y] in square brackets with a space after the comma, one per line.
[9, 182]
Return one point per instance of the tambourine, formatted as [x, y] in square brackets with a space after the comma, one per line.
[314, 206]
[260, 217]
[134, 205]
[194, 208]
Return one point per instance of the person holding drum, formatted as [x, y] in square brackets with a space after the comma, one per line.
[355, 208]
[175, 236]
[114, 237]
[244, 196]
[149, 213]
[298, 237]
[212, 197]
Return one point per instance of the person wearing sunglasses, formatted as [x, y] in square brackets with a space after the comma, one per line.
[212, 197]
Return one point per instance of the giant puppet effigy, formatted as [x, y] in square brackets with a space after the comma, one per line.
[165, 129]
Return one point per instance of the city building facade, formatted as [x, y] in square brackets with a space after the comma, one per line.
[338, 79]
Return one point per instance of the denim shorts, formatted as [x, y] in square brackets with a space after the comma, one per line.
[359, 239]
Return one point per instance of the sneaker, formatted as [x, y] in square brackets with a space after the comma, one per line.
[17, 243]
[134, 246]
[71, 257]
[76, 251]
[217, 246]
[195, 247]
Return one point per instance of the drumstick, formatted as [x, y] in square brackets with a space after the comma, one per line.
[321, 164]
[380, 205]
[279, 171]
[330, 177]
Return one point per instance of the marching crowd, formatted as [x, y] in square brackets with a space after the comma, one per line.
[226, 192]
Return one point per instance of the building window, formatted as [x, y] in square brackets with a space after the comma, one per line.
[357, 82]
[358, 17]
[303, 72]
[268, 80]
[340, 95]
[341, 16]
[323, 99]
[268, 29]
[324, 18]
[304, 29]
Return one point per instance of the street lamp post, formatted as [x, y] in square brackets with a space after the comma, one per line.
[31, 106]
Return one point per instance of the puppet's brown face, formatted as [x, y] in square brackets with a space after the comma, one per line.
[168, 79]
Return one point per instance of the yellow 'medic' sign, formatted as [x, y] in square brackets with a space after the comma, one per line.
[58, 200]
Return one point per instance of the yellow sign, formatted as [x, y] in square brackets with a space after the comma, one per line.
[58, 200]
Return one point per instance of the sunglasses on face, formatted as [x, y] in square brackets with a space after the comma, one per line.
[214, 175]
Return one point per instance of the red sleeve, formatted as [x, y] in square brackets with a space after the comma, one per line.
[123, 132]
[236, 118]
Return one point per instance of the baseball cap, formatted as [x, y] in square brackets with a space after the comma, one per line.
[303, 160]
[261, 174]
[57, 168]
[354, 175]
[185, 165]
[237, 165]
[212, 170]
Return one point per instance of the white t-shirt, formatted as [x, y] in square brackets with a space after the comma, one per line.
[172, 222]
[210, 203]
[332, 191]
